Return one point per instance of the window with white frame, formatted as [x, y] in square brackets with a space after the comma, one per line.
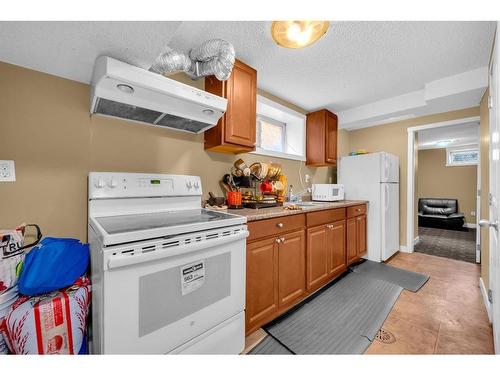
[280, 130]
[271, 134]
[462, 156]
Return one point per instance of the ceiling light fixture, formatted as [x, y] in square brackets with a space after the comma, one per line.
[298, 34]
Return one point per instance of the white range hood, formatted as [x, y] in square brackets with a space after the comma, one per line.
[131, 93]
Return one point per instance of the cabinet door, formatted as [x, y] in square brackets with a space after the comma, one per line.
[352, 240]
[331, 138]
[291, 267]
[241, 107]
[262, 280]
[361, 234]
[337, 260]
[317, 256]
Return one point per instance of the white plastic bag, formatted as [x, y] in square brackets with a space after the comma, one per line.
[12, 251]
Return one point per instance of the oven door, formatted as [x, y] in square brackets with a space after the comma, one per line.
[156, 301]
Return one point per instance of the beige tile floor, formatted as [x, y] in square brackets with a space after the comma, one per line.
[446, 316]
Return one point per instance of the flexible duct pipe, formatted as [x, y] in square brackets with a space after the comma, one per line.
[213, 57]
[171, 61]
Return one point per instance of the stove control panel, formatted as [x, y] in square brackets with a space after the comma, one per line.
[129, 185]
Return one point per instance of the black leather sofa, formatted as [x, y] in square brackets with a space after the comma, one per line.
[440, 213]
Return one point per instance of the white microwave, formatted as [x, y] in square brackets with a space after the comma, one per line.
[327, 192]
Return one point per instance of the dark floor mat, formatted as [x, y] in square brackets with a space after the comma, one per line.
[453, 244]
[343, 319]
[409, 280]
[269, 345]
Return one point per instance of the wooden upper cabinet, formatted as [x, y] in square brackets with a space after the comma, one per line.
[321, 138]
[235, 132]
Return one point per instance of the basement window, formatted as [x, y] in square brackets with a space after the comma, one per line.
[271, 134]
[280, 130]
[461, 156]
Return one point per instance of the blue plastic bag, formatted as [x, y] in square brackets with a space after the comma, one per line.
[54, 264]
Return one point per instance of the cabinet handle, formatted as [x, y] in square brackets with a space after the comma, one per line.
[278, 240]
[330, 226]
[279, 225]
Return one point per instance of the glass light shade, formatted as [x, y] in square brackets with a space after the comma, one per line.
[298, 34]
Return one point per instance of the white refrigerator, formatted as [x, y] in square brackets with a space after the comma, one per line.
[375, 177]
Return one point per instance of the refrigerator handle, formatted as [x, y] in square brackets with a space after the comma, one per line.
[386, 193]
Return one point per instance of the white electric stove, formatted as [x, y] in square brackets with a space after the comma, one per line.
[168, 276]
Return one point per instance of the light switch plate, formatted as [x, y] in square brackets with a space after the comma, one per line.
[7, 171]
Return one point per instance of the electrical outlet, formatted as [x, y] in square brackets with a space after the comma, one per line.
[473, 213]
[7, 171]
[307, 178]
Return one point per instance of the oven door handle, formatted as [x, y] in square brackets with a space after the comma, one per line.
[121, 260]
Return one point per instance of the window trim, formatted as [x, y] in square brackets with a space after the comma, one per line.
[295, 124]
[451, 150]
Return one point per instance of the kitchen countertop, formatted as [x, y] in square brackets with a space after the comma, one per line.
[272, 212]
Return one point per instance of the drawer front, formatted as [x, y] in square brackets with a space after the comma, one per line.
[275, 227]
[324, 217]
[356, 210]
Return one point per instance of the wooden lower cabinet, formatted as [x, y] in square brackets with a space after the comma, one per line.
[336, 240]
[361, 235]
[356, 238]
[351, 240]
[291, 267]
[317, 257]
[326, 255]
[276, 275]
[287, 260]
[262, 280]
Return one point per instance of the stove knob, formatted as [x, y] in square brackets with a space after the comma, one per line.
[99, 183]
[196, 185]
[113, 183]
[189, 185]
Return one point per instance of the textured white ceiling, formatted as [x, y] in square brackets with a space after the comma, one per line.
[460, 134]
[354, 64]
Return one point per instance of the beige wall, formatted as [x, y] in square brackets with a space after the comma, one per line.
[393, 138]
[485, 185]
[436, 180]
[46, 128]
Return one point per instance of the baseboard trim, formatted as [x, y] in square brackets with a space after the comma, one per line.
[470, 225]
[487, 302]
[403, 249]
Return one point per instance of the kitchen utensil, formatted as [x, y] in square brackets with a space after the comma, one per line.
[240, 165]
[215, 201]
[259, 170]
[234, 199]
[225, 187]
[265, 187]
[236, 172]
[274, 170]
[228, 179]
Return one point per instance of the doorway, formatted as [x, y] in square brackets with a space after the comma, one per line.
[446, 186]
[443, 203]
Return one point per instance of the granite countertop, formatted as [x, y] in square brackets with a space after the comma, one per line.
[272, 212]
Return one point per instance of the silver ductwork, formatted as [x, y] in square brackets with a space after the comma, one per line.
[213, 57]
